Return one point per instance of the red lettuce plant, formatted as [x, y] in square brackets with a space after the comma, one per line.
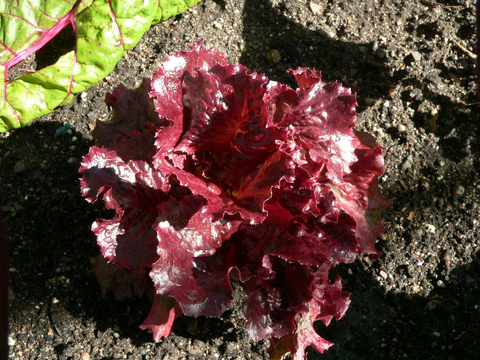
[216, 174]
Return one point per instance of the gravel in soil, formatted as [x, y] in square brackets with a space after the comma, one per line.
[416, 93]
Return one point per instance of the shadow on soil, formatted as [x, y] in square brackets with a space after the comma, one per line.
[397, 325]
[51, 245]
[272, 40]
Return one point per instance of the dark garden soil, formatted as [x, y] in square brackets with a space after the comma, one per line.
[416, 93]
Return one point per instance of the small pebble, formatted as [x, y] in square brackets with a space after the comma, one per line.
[315, 8]
[406, 165]
[274, 56]
[416, 56]
[11, 341]
[459, 190]
[19, 167]
[195, 352]
[326, 33]
[381, 53]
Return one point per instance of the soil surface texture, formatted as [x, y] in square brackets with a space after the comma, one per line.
[412, 66]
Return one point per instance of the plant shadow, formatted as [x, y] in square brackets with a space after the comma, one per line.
[51, 245]
[399, 325]
[276, 43]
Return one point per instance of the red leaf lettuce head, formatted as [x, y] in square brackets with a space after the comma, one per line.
[216, 174]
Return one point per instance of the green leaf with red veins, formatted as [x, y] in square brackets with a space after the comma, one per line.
[104, 31]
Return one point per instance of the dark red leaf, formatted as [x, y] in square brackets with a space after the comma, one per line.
[161, 317]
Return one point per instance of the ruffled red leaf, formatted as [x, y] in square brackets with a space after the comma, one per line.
[161, 317]
[133, 123]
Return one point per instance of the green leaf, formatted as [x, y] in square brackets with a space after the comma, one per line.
[169, 8]
[105, 31]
